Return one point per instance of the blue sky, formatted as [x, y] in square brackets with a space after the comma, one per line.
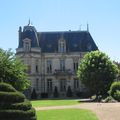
[103, 17]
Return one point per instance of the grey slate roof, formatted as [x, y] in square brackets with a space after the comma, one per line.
[76, 41]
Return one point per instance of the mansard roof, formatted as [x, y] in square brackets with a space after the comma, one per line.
[76, 41]
[31, 33]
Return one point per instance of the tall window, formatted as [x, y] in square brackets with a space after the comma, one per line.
[49, 66]
[62, 46]
[75, 66]
[76, 83]
[37, 66]
[49, 85]
[62, 65]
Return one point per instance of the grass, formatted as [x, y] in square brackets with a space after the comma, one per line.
[66, 114]
[44, 103]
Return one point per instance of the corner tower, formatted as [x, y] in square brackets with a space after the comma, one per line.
[28, 39]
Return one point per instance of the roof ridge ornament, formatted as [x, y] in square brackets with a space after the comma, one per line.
[87, 27]
[29, 22]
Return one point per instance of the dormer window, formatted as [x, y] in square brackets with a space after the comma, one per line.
[27, 44]
[62, 45]
[27, 47]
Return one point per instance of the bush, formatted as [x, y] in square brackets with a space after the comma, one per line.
[109, 99]
[14, 106]
[55, 94]
[117, 95]
[11, 97]
[17, 113]
[21, 106]
[115, 91]
[69, 92]
[85, 94]
[79, 94]
[6, 87]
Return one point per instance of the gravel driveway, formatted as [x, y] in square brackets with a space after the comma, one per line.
[104, 111]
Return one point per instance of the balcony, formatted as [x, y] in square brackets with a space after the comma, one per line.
[63, 72]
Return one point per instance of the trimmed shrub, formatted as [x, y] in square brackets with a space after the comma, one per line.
[14, 106]
[17, 113]
[21, 106]
[6, 87]
[11, 97]
[115, 91]
[79, 94]
[69, 92]
[55, 94]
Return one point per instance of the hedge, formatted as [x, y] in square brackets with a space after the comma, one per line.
[11, 97]
[16, 106]
[13, 105]
[6, 87]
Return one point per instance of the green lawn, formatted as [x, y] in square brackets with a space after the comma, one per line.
[66, 114]
[43, 103]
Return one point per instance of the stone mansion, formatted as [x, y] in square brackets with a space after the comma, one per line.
[53, 58]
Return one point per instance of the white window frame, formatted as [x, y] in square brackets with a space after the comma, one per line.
[27, 44]
[49, 66]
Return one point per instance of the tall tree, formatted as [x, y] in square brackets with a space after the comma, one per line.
[12, 70]
[97, 72]
[118, 64]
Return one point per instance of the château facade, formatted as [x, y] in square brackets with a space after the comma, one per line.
[53, 58]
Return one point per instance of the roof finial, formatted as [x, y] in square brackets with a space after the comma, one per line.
[29, 22]
[87, 27]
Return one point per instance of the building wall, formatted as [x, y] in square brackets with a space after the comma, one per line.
[40, 76]
[61, 51]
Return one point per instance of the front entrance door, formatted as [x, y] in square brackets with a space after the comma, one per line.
[62, 85]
